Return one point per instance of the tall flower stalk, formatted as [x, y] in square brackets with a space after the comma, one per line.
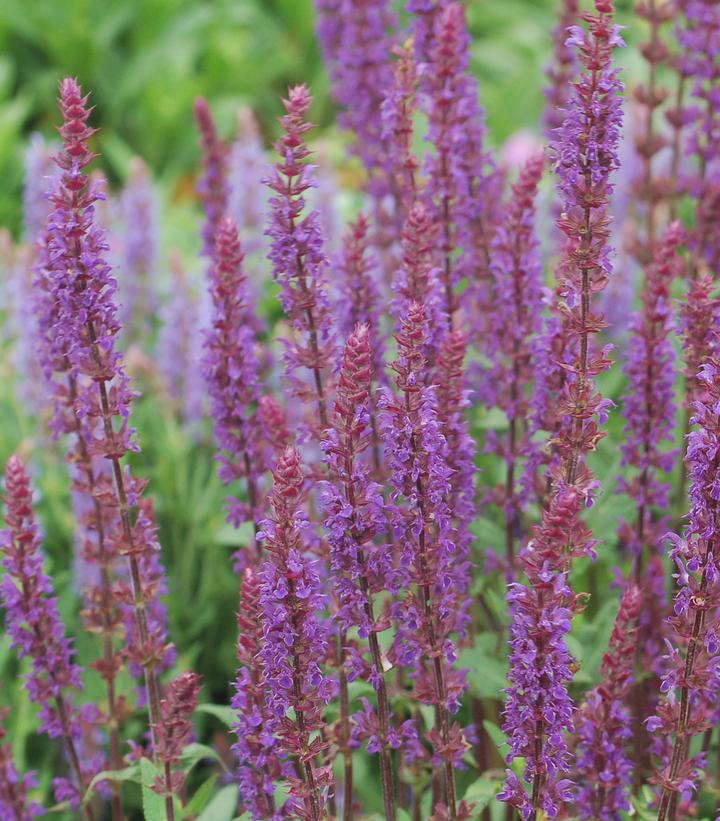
[294, 640]
[15, 804]
[36, 631]
[690, 694]
[85, 328]
[299, 263]
[354, 517]
[429, 567]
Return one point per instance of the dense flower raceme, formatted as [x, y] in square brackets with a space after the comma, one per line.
[356, 37]
[299, 263]
[562, 69]
[649, 403]
[259, 761]
[689, 685]
[138, 239]
[213, 185]
[432, 571]
[295, 640]
[81, 325]
[515, 322]
[699, 321]
[231, 369]
[36, 632]
[539, 710]
[14, 802]
[174, 730]
[39, 167]
[604, 723]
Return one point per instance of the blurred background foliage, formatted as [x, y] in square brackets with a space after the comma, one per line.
[146, 60]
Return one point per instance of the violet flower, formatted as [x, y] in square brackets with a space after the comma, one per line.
[173, 733]
[562, 69]
[539, 711]
[15, 805]
[137, 273]
[36, 632]
[231, 370]
[689, 706]
[604, 723]
[516, 269]
[83, 327]
[39, 167]
[299, 264]
[294, 640]
[213, 185]
[259, 763]
[430, 571]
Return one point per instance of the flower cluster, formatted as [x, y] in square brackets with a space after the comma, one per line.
[14, 802]
[213, 186]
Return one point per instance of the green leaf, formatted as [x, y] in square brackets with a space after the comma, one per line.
[222, 807]
[131, 773]
[153, 804]
[487, 675]
[481, 792]
[221, 712]
[201, 797]
[197, 752]
[403, 815]
[497, 736]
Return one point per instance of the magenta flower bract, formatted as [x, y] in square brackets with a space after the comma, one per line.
[212, 186]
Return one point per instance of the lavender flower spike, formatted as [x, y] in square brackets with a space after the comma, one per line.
[14, 802]
[294, 639]
[36, 632]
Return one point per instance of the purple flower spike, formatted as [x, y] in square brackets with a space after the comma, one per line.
[14, 802]
[294, 641]
[212, 187]
[35, 630]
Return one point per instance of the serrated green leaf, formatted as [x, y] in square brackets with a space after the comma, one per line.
[222, 807]
[153, 804]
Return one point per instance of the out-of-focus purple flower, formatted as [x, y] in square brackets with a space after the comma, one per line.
[700, 322]
[179, 348]
[231, 369]
[39, 167]
[15, 805]
[295, 639]
[604, 723]
[539, 711]
[81, 326]
[259, 763]
[430, 578]
[689, 706]
[34, 626]
[137, 269]
[562, 69]
[213, 185]
[247, 166]
[649, 404]
[459, 168]
[356, 38]
[174, 731]
[424, 17]
[516, 269]
[299, 263]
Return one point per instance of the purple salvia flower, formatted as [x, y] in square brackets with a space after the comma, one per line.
[457, 169]
[700, 323]
[430, 570]
[649, 404]
[173, 733]
[213, 185]
[561, 71]
[299, 263]
[35, 630]
[15, 805]
[137, 269]
[354, 516]
[604, 723]
[516, 270]
[231, 369]
[689, 707]
[294, 640]
[83, 327]
[425, 14]
[357, 47]
[539, 710]
[39, 167]
[256, 748]
[247, 167]
[180, 345]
